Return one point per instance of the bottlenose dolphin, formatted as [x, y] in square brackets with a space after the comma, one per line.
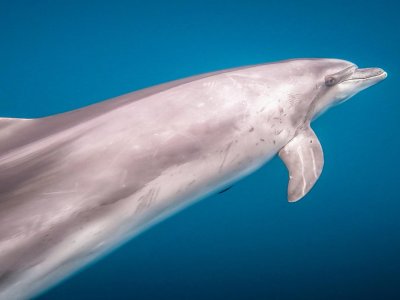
[75, 185]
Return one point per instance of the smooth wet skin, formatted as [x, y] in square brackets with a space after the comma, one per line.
[76, 185]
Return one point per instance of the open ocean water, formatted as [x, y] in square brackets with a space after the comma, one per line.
[342, 241]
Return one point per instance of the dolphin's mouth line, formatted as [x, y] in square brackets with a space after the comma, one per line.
[380, 74]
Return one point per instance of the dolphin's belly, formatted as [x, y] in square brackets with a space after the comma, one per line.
[49, 253]
[53, 253]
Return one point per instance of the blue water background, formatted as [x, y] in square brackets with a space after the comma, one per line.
[341, 242]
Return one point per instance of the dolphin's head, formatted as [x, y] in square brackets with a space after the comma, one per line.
[338, 80]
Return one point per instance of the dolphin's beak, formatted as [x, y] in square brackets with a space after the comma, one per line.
[370, 76]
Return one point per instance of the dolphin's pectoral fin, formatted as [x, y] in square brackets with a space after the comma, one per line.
[304, 160]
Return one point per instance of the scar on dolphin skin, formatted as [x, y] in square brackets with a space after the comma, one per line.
[146, 200]
[226, 151]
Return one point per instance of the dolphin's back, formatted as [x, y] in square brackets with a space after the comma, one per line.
[15, 132]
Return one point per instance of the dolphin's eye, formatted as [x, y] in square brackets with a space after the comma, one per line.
[330, 80]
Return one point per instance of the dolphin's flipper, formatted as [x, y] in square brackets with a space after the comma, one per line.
[304, 159]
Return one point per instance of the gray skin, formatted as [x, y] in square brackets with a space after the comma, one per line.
[76, 185]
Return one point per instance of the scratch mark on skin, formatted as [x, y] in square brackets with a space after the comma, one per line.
[189, 184]
[228, 147]
[302, 170]
[314, 165]
[147, 199]
[59, 192]
[278, 131]
[123, 178]
[234, 159]
[114, 160]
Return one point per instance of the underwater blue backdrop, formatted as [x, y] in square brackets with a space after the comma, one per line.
[341, 242]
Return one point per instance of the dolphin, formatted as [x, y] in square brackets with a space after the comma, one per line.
[76, 185]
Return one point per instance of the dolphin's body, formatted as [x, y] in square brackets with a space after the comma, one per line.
[75, 185]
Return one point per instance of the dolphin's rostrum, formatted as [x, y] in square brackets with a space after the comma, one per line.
[76, 185]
